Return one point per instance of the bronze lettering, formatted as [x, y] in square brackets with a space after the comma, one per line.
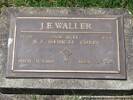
[66, 26]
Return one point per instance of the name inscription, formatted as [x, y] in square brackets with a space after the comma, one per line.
[68, 47]
[65, 25]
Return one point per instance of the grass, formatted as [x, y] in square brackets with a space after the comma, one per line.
[128, 4]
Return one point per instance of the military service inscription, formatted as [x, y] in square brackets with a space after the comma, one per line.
[66, 47]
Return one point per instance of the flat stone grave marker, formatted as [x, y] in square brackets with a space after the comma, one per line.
[66, 48]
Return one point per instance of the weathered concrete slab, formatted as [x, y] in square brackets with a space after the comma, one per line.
[65, 97]
[84, 84]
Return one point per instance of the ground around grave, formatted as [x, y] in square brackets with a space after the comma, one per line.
[128, 4]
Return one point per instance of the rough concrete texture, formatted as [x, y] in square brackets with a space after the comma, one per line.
[68, 83]
[66, 97]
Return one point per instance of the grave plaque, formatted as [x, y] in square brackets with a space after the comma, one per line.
[41, 47]
[66, 46]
